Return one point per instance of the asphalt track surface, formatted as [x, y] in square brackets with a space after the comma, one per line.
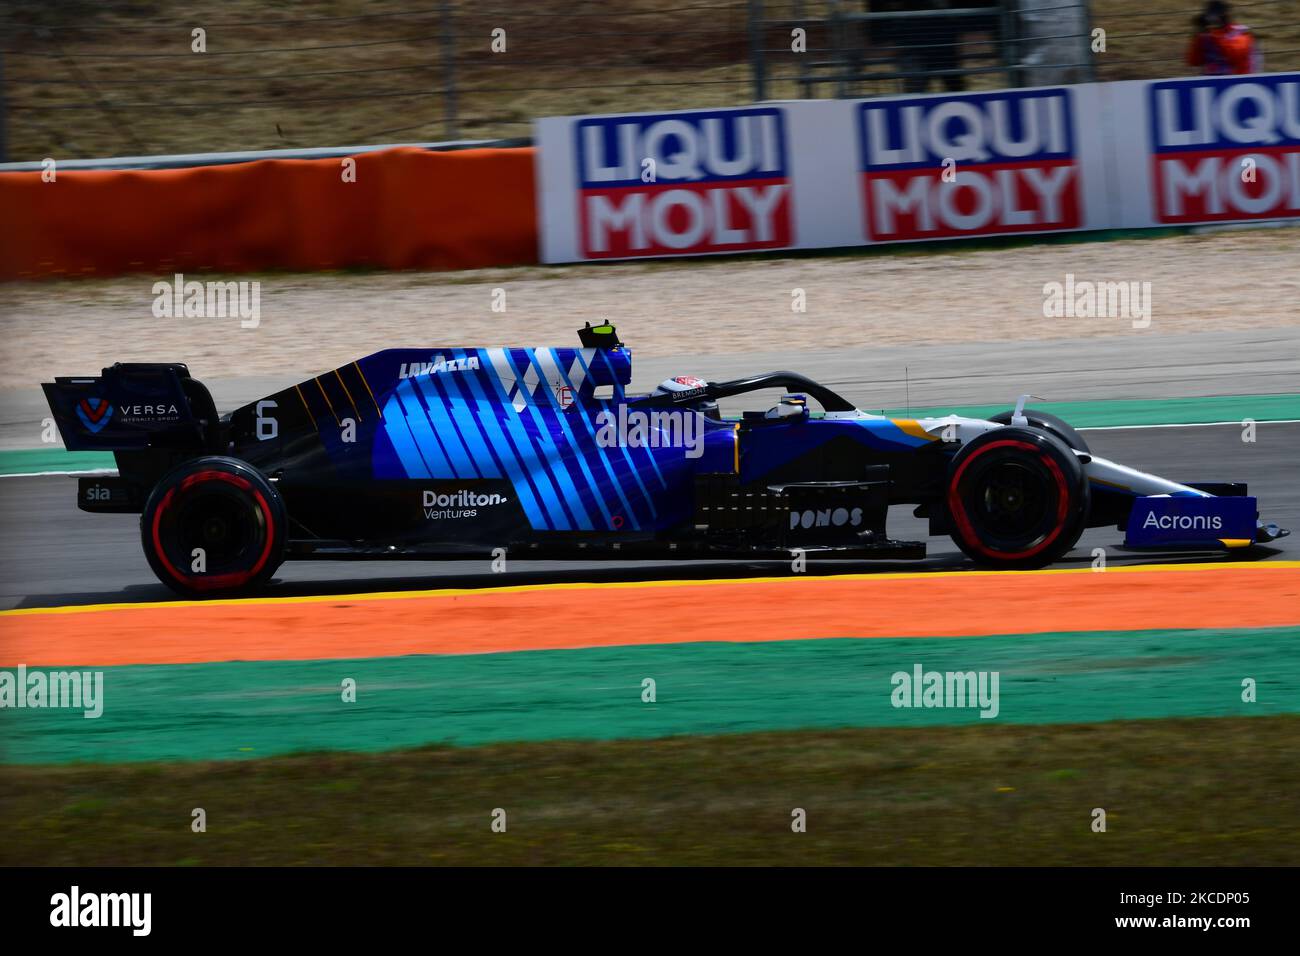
[52, 554]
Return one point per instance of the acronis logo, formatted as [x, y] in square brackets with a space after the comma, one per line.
[94, 413]
[1183, 522]
[680, 183]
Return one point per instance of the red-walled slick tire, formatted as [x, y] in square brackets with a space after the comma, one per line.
[1018, 498]
[1050, 424]
[214, 527]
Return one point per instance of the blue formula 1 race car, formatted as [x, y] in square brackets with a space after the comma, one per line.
[459, 452]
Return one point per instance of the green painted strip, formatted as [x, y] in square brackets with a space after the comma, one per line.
[256, 709]
[38, 460]
[1163, 411]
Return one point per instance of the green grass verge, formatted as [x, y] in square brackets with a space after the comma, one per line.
[244, 710]
[1176, 792]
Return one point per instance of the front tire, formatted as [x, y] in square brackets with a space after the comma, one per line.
[1045, 421]
[214, 527]
[1017, 497]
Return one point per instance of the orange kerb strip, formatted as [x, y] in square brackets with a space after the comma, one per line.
[516, 619]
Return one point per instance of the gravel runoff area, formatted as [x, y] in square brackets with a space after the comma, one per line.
[1212, 281]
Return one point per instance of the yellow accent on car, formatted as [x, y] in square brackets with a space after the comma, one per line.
[327, 399]
[348, 392]
[1236, 542]
[306, 407]
[372, 394]
[910, 426]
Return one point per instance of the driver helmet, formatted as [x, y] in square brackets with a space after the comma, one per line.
[690, 383]
[682, 383]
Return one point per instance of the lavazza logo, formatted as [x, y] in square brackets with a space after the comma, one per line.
[457, 504]
[439, 365]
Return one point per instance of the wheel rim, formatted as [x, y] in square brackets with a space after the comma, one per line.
[221, 522]
[1011, 504]
[226, 516]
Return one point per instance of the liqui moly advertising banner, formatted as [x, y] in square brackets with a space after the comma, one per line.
[656, 184]
[682, 183]
[836, 173]
[1210, 149]
[940, 167]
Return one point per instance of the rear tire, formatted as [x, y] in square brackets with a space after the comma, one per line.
[1017, 498]
[214, 527]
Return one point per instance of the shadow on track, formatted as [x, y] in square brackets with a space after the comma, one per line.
[302, 584]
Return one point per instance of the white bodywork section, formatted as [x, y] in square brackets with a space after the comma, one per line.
[1099, 470]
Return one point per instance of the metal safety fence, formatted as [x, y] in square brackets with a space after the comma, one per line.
[88, 78]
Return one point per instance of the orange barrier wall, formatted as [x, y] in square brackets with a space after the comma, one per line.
[408, 209]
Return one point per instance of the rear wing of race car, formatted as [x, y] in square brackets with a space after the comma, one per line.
[133, 407]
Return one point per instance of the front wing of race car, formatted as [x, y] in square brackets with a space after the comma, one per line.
[1155, 513]
[1167, 515]
[1199, 523]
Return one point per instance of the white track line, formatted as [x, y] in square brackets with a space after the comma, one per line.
[1111, 428]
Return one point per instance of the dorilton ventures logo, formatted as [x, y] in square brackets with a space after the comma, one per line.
[457, 504]
[74, 908]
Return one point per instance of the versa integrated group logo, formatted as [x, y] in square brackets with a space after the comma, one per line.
[94, 413]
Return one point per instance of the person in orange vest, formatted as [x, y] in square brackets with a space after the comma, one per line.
[1222, 47]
